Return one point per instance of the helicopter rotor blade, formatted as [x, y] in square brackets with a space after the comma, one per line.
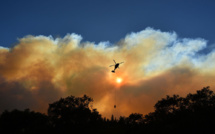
[114, 61]
[121, 62]
[111, 65]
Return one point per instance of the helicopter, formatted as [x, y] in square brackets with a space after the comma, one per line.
[115, 66]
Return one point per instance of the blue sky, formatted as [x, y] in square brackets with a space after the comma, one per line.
[105, 20]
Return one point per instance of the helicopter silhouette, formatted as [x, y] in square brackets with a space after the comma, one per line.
[115, 66]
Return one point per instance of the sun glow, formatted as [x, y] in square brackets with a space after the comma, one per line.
[118, 80]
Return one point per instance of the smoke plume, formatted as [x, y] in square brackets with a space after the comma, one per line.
[39, 70]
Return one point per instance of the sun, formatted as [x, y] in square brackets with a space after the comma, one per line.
[118, 80]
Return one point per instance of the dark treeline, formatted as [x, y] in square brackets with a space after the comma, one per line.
[194, 113]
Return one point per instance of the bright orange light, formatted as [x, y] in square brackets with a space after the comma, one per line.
[118, 80]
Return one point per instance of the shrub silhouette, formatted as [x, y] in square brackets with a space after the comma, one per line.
[23, 122]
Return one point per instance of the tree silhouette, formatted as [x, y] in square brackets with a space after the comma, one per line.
[204, 98]
[73, 113]
[135, 118]
[194, 113]
[168, 105]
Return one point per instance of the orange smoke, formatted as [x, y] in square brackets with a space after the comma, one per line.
[39, 70]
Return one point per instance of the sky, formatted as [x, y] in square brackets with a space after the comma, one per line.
[53, 49]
